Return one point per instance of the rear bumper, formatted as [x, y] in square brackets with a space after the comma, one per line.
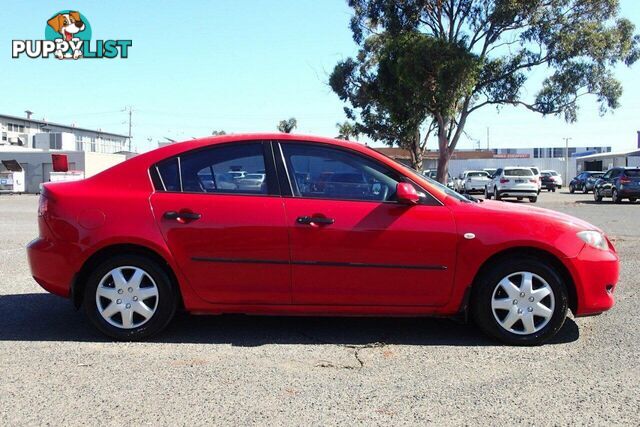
[51, 265]
[518, 193]
[596, 275]
[624, 192]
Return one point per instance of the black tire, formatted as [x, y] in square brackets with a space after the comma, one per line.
[519, 199]
[486, 194]
[497, 193]
[165, 304]
[614, 196]
[483, 290]
[572, 189]
[553, 189]
[533, 199]
[632, 199]
[596, 195]
[584, 189]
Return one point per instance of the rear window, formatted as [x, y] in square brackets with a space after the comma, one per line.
[518, 172]
[633, 173]
[477, 174]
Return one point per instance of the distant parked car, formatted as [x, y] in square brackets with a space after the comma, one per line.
[547, 181]
[536, 173]
[518, 182]
[555, 176]
[432, 173]
[490, 171]
[472, 181]
[618, 183]
[584, 181]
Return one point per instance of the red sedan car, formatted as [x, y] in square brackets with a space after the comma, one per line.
[285, 224]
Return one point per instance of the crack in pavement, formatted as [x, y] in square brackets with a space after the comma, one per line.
[356, 352]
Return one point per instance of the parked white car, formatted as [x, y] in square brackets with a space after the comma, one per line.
[536, 173]
[472, 181]
[518, 182]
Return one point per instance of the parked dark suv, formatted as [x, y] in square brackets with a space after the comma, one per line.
[618, 183]
[584, 181]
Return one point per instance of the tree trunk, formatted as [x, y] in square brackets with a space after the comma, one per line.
[416, 152]
[444, 154]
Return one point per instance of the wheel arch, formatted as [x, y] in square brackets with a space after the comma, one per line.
[537, 253]
[80, 279]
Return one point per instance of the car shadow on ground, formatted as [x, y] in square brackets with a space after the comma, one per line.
[45, 317]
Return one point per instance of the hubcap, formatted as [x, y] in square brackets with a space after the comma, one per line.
[523, 303]
[127, 297]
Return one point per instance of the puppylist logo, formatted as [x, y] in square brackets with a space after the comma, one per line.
[68, 36]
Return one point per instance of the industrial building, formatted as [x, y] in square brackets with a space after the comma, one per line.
[541, 157]
[31, 143]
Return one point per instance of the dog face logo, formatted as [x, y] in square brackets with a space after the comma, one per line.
[67, 24]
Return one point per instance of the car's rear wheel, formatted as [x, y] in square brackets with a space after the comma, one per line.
[533, 199]
[129, 297]
[572, 189]
[487, 195]
[632, 199]
[615, 197]
[497, 193]
[585, 190]
[521, 302]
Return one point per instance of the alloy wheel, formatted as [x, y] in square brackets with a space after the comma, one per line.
[127, 297]
[523, 303]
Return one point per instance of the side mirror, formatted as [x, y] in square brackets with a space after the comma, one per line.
[407, 194]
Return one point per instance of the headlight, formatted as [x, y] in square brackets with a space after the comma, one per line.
[594, 239]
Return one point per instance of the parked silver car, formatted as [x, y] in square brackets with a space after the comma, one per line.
[472, 181]
[518, 182]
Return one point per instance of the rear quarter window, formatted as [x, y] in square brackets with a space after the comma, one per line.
[168, 173]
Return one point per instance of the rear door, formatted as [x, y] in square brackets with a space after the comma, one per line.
[227, 233]
[352, 243]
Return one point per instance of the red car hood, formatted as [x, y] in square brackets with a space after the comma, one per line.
[531, 212]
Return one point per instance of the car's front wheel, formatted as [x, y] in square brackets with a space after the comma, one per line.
[129, 297]
[497, 193]
[596, 195]
[615, 197]
[521, 302]
[572, 189]
[487, 195]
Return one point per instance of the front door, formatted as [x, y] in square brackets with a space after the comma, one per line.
[353, 244]
[224, 224]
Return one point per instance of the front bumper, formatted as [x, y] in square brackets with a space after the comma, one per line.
[596, 274]
[52, 265]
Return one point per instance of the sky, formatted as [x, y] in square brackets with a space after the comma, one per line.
[196, 66]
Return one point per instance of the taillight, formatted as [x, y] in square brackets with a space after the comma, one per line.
[625, 180]
[43, 205]
[503, 180]
[533, 180]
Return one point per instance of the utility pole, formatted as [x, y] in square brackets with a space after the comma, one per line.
[130, 110]
[487, 138]
[566, 161]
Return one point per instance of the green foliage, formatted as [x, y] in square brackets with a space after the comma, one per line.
[287, 126]
[348, 130]
[426, 65]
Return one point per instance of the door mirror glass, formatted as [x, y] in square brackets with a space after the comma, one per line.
[407, 194]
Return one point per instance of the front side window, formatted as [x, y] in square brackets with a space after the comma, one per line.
[327, 173]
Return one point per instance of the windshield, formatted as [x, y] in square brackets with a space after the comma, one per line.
[518, 172]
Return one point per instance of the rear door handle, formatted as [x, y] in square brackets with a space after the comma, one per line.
[182, 216]
[314, 220]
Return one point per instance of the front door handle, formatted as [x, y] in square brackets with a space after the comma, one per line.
[182, 216]
[314, 220]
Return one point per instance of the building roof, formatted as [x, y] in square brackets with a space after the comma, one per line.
[402, 154]
[610, 154]
[45, 122]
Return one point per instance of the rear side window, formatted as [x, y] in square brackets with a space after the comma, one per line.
[234, 168]
[633, 173]
[518, 172]
[231, 168]
[168, 172]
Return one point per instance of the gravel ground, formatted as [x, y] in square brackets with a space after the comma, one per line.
[55, 369]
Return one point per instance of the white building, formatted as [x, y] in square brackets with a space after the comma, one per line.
[20, 131]
[32, 142]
